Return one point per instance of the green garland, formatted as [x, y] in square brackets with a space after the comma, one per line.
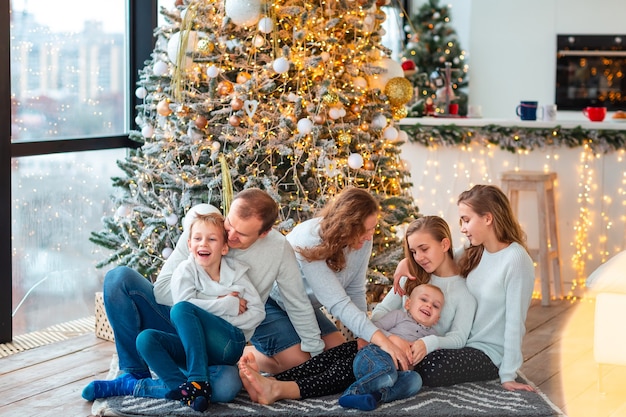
[516, 138]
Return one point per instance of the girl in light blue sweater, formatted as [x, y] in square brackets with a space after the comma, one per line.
[500, 276]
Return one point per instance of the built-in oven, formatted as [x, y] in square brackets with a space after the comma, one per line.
[591, 71]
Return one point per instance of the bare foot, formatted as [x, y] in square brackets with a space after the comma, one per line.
[249, 360]
[262, 390]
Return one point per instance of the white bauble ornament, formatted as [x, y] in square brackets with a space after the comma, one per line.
[167, 252]
[305, 126]
[160, 68]
[258, 41]
[215, 146]
[171, 219]
[292, 97]
[243, 12]
[390, 133]
[212, 71]
[141, 93]
[355, 161]
[325, 56]
[359, 82]
[403, 136]
[266, 25]
[334, 113]
[379, 121]
[281, 65]
[173, 46]
[147, 131]
[123, 211]
[393, 69]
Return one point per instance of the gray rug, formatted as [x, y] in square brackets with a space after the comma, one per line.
[463, 400]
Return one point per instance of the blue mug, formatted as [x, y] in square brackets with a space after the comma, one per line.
[527, 110]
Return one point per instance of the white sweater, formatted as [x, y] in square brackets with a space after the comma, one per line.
[502, 284]
[270, 260]
[343, 292]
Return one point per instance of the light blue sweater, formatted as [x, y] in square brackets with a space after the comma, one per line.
[343, 292]
[502, 284]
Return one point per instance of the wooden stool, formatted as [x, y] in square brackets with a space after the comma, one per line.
[542, 183]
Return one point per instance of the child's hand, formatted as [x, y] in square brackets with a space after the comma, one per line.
[418, 351]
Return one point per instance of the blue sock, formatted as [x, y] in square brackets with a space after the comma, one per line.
[123, 385]
[364, 402]
[195, 394]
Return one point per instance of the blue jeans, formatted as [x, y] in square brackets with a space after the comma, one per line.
[131, 307]
[203, 340]
[375, 372]
[276, 333]
[224, 379]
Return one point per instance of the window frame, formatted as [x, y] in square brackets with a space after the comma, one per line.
[142, 18]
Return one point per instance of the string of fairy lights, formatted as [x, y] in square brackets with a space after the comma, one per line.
[590, 191]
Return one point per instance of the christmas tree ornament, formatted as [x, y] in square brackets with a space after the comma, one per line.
[258, 41]
[243, 12]
[205, 47]
[281, 65]
[123, 211]
[243, 77]
[147, 131]
[212, 71]
[167, 252]
[344, 138]
[234, 120]
[379, 121]
[201, 122]
[399, 112]
[266, 25]
[305, 126]
[177, 52]
[160, 68]
[330, 99]
[236, 104]
[250, 107]
[355, 161]
[216, 146]
[171, 219]
[224, 88]
[141, 93]
[390, 133]
[335, 113]
[368, 165]
[359, 82]
[399, 91]
[409, 67]
[163, 107]
[319, 119]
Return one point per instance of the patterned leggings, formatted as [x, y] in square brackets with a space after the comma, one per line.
[453, 366]
[328, 373]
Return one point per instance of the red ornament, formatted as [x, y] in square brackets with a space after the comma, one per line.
[409, 67]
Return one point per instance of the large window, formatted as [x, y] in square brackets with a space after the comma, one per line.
[69, 80]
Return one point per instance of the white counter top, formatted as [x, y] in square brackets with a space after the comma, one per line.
[607, 124]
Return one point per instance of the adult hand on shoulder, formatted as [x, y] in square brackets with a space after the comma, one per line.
[517, 386]
[402, 270]
[418, 351]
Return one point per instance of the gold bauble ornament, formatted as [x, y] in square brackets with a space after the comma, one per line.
[205, 47]
[330, 99]
[344, 138]
[399, 91]
[319, 119]
[368, 165]
[399, 112]
[224, 88]
[242, 77]
[234, 120]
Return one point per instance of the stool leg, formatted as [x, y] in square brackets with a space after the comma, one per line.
[554, 243]
[543, 257]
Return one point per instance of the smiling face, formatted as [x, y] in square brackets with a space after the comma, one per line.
[425, 304]
[242, 232]
[428, 252]
[370, 227]
[207, 244]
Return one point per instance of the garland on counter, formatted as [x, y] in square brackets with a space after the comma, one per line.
[514, 138]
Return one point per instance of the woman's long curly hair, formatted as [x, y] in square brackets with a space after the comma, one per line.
[439, 230]
[342, 225]
[483, 199]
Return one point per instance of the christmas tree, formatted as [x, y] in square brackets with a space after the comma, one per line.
[432, 45]
[296, 97]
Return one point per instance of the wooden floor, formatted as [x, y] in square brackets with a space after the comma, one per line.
[558, 351]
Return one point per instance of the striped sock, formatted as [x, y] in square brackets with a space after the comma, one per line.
[124, 385]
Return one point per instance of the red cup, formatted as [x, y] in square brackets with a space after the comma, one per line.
[595, 114]
[453, 108]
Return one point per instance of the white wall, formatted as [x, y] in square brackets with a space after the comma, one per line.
[512, 51]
